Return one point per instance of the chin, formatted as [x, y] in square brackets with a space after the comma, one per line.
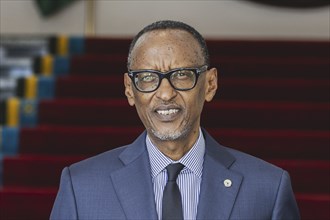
[170, 135]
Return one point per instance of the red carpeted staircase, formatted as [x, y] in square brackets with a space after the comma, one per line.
[272, 102]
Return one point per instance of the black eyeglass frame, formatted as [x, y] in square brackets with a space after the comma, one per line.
[167, 75]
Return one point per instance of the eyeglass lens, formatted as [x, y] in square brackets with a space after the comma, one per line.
[181, 79]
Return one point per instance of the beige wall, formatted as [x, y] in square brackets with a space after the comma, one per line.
[216, 19]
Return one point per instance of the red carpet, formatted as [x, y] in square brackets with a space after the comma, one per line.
[273, 103]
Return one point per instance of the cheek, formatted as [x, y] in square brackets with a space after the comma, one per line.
[194, 103]
[198, 101]
[142, 103]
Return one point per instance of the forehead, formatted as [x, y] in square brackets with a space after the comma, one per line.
[169, 42]
[167, 36]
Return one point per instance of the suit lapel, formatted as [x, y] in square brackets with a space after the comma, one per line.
[133, 182]
[220, 185]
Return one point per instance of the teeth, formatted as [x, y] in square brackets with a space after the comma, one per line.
[167, 112]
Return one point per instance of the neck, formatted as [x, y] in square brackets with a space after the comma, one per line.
[176, 149]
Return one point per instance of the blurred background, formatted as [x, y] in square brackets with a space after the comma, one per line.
[216, 19]
[62, 99]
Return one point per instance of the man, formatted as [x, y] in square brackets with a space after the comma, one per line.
[175, 169]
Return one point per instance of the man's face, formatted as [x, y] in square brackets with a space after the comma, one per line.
[166, 113]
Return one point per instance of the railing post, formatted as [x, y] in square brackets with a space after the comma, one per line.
[90, 17]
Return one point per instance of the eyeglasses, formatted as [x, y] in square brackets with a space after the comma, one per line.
[181, 79]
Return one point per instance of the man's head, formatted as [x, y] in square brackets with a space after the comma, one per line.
[168, 24]
[170, 112]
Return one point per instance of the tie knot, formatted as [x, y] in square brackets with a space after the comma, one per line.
[173, 171]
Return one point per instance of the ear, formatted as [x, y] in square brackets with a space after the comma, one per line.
[211, 81]
[129, 89]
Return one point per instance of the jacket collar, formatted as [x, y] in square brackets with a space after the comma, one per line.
[220, 185]
[133, 182]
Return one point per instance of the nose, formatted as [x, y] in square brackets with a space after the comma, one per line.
[165, 91]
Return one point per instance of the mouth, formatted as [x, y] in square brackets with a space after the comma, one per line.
[167, 113]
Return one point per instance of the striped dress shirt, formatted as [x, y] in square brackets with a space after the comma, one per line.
[189, 179]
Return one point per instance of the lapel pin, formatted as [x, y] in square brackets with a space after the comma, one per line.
[227, 183]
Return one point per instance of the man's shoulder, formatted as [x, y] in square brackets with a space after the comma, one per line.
[251, 163]
[256, 172]
[103, 162]
[241, 161]
[111, 160]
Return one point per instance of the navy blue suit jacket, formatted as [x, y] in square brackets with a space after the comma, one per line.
[117, 185]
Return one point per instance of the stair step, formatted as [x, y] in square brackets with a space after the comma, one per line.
[266, 144]
[220, 114]
[105, 45]
[92, 64]
[26, 203]
[309, 68]
[98, 87]
[78, 140]
[230, 88]
[262, 48]
[303, 174]
[314, 206]
[35, 171]
[87, 112]
[277, 144]
[267, 114]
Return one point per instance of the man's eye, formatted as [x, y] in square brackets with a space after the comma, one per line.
[183, 74]
[147, 78]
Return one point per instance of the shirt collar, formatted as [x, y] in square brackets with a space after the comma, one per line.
[192, 160]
